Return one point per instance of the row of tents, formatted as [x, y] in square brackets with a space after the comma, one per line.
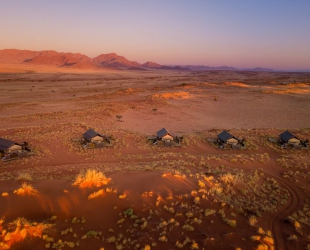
[285, 140]
[289, 141]
[91, 139]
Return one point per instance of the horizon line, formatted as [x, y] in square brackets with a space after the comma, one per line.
[172, 64]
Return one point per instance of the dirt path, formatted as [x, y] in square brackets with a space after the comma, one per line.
[276, 222]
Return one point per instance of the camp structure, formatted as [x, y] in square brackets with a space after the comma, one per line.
[226, 140]
[165, 138]
[289, 141]
[10, 150]
[92, 139]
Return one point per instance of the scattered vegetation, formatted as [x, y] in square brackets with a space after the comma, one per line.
[24, 177]
[26, 189]
[91, 178]
[96, 194]
[18, 230]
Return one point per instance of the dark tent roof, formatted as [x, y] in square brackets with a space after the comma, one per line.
[285, 136]
[161, 133]
[89, 134]
[224, 136]
[5, 144]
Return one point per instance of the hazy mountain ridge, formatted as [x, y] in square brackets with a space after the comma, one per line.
[80, 61]
[262, 69]
[114, 60]
[74, 60]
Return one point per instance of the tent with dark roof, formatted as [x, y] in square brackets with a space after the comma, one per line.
[10, 150]
[165, 138]
[93, 139]
[288, 137]
[164, 134]
[92, 136]
[226, 137]
[7, 146]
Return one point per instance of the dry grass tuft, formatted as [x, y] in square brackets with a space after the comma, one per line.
[237, 84]
[91, 178]
[171, 95]
[261, 247]
[268, 240]
[19, 229]
[252, 220]
[26, 189]
[96, 194]
[24, 177]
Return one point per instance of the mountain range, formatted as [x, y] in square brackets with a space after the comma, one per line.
[80, 61]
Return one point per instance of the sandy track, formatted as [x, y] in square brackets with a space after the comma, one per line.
[277, 220]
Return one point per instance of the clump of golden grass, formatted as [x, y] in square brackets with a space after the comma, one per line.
[208, 212]
[19, 229]
[292, 237]
[91, 178]
[110, 190]
[252, 220]
[182, 244]
[96, 194]
[5, 194]
[122, 196]
[26, 189]
[261, 247]
[237, 84]
[163, 238]
[24, 177]
[171, 95]
[194, 245]
[265, 239]
[188, 227]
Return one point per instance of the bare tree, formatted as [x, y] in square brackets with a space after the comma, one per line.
[119, 117]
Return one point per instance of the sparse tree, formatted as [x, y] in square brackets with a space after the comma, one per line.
[154, 109]
[119, 117]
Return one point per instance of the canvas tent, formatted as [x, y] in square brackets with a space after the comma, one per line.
[92, 136]
[165, 138]
[288, 137]
[10, 150]
[226, 140]
[7, 146]
[226, 137]
[93, 139]
[164, 135]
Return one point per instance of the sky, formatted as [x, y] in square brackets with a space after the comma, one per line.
[238, 33]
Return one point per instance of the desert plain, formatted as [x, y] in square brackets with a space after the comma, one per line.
[191, 197]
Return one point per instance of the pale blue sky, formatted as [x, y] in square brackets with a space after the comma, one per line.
[239, 33]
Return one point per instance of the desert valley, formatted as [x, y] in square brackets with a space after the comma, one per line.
[136, 194]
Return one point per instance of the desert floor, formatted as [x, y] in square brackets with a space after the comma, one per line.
[192, 197]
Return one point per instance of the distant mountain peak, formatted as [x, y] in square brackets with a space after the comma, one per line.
[152, 65]
[78, 60]
[114, 60]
